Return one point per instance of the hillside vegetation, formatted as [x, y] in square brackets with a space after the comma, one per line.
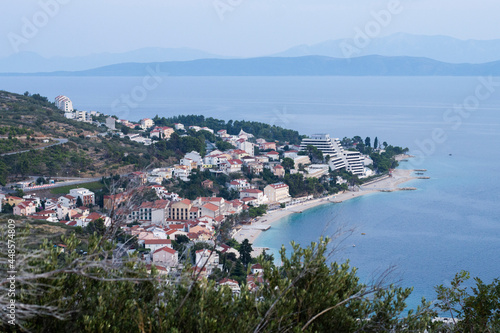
[87, 288]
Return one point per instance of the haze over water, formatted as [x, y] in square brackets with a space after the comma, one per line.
[450, 223]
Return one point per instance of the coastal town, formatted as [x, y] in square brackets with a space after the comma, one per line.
[248, 180]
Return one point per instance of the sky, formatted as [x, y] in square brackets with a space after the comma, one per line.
[227, 27]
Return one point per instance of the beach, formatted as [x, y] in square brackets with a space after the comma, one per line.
[383, 184]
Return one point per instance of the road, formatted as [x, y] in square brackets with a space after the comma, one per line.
[59, 142]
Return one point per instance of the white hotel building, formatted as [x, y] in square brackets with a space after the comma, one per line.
[64, 103]
[339, 158]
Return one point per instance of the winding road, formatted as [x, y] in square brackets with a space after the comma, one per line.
[59, 142]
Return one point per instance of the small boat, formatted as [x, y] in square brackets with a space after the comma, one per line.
[363, 233]
[353, 245]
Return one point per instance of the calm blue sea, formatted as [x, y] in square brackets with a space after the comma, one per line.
[452, 222]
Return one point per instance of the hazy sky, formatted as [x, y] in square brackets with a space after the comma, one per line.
[226, 27]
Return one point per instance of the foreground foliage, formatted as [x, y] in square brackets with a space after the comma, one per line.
[99, 291]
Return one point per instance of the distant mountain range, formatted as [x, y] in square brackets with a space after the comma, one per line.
[29, 62]
[297, 66]
[440, 48]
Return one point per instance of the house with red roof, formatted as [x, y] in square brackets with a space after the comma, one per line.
[48, 215]
[67, 201]
[207, 184]
[273, 155]
[238, 153]
[155, 244]
[231, 166]
[277, 193]
[231, 284]
[279, 171]
[209, 209]
[255, 194]
[267, 145]
[165, 256]
[12, 200]
[238, 184]
[163, 132]
[254, 280]
[24, 208]
[222, 133]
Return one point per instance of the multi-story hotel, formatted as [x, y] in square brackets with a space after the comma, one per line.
[87, 197]
[277, 193]
[339, 158]
[64, 103]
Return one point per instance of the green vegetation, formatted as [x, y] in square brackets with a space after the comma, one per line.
[476, 312]
[315, 155]
[257, 211]
[81, 289]
[382, 161]
[93, 186]
[86, 153]
[261, 130]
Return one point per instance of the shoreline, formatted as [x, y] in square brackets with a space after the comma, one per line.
[385, 184]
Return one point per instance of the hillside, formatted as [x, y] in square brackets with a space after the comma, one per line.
[26, 121]
[81, 149]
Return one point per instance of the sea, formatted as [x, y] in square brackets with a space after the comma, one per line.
[450, 124]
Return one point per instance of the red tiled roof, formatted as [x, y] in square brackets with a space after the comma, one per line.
[94, 216]
[252, 190]
[235, 162]
[157, 241]
[176, 226]
[166, 249]
[226, 280]
[192, 235]
[276, 186]
[211, 207]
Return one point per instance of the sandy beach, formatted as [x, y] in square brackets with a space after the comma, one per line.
[383, 184]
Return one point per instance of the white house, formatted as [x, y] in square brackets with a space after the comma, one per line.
[207, 259]
[238, 184]
[87, 197]
[147, 123]
[166, 256]
[194, 156]
[67, 201]
[232, 284]
[155, 244]
[254, 193]
[231, 166]
[277, 193]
